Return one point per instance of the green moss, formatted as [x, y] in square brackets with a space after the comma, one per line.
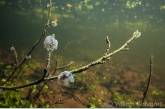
[12, 99]
[8, 67]
[96, 102]
[124, 101]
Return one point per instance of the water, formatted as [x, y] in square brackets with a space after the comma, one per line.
[81, 29]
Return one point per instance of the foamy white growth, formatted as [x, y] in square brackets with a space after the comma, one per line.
[65, 78]
[50, 43]
[54, 23]
[137, 34]
[28, 57]
[48, 5]
[12, 48]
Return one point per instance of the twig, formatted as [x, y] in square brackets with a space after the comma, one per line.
[65, 65]
[37, 95]
[109, 45]
[26, 85]
[101, 60]
[48, 59]
[15, 55]
[104, 58]
[43, 34]
[17, 74]
[149, 80]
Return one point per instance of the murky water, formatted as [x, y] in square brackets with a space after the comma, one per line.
[81, 29]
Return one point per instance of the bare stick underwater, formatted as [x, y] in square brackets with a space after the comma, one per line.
[34, 46]
[101, 60]
[149, 80]
[65, 77]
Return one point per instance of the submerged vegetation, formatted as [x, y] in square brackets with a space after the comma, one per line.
[98, 76]
[123, 14]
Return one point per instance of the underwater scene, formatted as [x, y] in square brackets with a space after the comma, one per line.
[82, 53]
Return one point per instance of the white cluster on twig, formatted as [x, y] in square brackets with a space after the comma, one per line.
[28, 57]
[48, 5]
[54, 23]
[65, 77]
[137, 34]
[50, 43]
[12, 48]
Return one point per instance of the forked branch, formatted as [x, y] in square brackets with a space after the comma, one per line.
[100, 60]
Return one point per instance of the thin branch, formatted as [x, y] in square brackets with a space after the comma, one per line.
[101, 60]
[104, 58]
[109, 45]
[43, 34]
[149, 80]
[26, 85]
[49, 13]
[48, 59]
[15, 56]
[65, 65]
[38, 94]
[17, 74]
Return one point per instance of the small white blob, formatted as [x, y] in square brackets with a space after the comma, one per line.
[65, 78]
[54, 23]
[12, 48]
[48, 5]
[50, 43]
[28, 57]
[137, 34]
